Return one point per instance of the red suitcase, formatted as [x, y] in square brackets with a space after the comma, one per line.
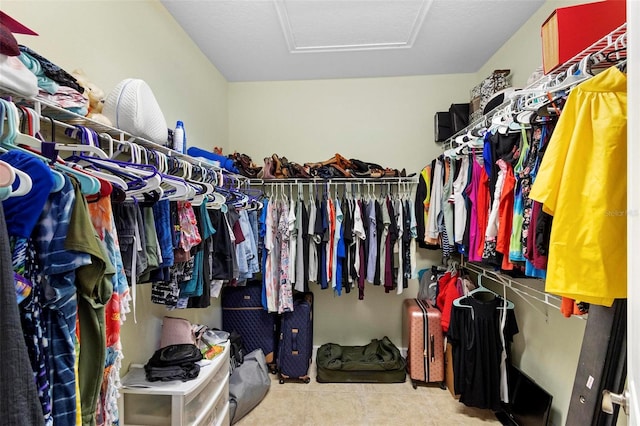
[423, 337]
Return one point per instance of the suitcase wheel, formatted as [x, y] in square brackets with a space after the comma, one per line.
[443, 386]
[281, 381]
[414, 384]
[307, 380]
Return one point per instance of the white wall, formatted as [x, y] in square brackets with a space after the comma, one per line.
[111, 41]
[384, 120]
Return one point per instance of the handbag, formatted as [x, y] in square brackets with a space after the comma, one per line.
[175, 355]
[176, 331]
[481, 93]
[442, 126]
[459, 114]
[132, 107]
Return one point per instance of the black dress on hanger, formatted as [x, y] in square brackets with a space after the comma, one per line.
[474, 333]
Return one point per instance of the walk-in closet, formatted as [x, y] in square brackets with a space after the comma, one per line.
[310, 212]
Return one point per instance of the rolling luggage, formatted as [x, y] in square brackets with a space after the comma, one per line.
[242, 311]
[423, 337]
[295, 348]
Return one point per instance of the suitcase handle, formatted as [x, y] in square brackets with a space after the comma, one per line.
[433, 348]
[294, 341]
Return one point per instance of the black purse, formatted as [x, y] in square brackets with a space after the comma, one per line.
[175, 355]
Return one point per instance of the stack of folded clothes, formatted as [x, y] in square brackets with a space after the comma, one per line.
[54, 83]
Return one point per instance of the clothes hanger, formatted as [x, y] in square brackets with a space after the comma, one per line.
[10, 174]
[507, 304]
[88, 185]
[30, 140]
[7, 174]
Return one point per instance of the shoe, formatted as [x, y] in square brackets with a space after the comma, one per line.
[299, 171]
[286, 167]
[277, 167]
[267, 170]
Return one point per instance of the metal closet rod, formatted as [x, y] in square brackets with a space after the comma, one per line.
[320, 181]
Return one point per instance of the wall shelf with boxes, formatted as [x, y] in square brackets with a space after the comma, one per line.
[202, 401]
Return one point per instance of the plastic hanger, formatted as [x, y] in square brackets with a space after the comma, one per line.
[507, 304]
[7, 174]
[88, 184]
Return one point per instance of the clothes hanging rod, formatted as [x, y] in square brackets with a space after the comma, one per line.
[320, 181]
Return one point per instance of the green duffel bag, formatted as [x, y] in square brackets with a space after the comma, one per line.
[378, 362]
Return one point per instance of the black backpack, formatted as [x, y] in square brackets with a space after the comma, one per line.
[173, 355]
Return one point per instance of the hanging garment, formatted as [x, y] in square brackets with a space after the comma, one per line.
[505, 214]
[459, 205]
[435, 205]
[293, 241]
[422, 204]
[323, 231]
[266, 268]
[19, 404]
[384, 242]
[519, 170]
[447, 207]
[392, 237]
[399, 246]
[471, 195]
[306, 247]
[372, 243]
[285, 292]
[115, 311]
[474, 333]
[302, 250]
[94, 290]
[314, 240]
[363, 249]
[347, 238]
[582, 184]
[339, 251]
[60, 305]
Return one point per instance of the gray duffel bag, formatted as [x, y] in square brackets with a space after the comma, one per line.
[248, 385]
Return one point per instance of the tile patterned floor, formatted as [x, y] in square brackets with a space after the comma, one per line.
[359, 404]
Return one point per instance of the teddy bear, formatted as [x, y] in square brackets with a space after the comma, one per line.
[95, 97]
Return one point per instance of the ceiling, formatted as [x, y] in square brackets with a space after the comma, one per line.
[268, 40]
